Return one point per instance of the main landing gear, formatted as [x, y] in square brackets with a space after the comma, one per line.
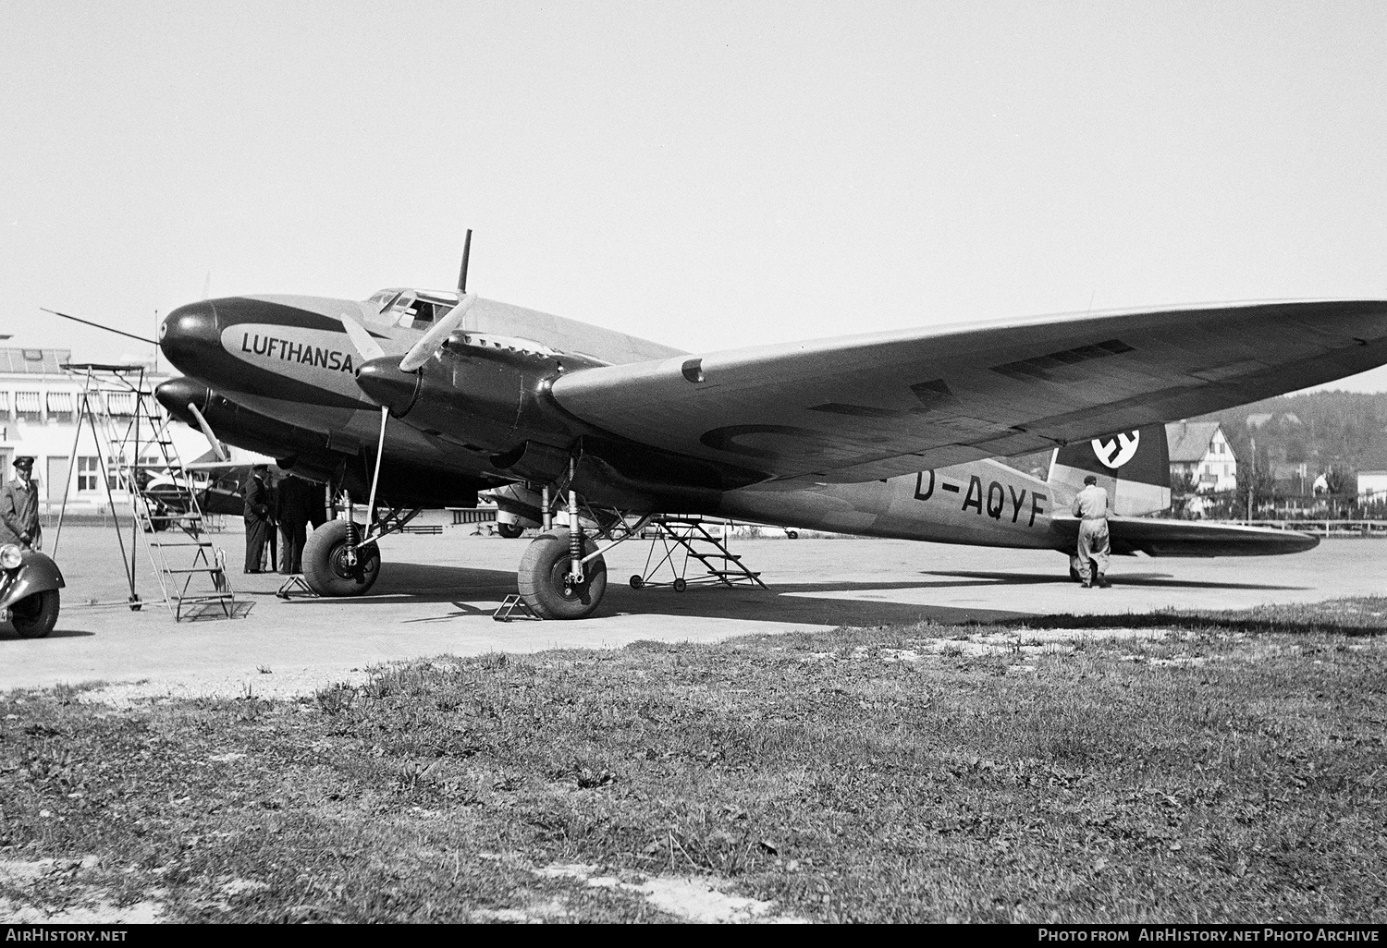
[562, 574]
[547, 583]
[342, 557]
[335, 565]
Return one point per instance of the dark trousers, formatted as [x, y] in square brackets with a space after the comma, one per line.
[257, 535]
[292, 537]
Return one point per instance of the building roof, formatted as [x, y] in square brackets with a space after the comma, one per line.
[33, 361]
[1189, 440]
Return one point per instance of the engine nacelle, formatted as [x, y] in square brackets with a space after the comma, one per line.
[497, 395]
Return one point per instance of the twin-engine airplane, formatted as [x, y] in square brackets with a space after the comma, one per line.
[887, 434]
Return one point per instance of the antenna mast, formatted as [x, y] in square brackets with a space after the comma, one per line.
[466, 252]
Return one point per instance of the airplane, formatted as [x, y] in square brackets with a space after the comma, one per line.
[422, 398]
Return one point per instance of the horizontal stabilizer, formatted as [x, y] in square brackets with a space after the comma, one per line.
[1191, 538]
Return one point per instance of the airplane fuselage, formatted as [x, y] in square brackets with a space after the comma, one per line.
[985, 503]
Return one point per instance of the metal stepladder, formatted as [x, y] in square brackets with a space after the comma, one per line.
[686, 538]
[131, 433]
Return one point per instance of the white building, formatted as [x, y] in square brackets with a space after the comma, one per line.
[39, 403]
[1200, 450]
[1372, 486]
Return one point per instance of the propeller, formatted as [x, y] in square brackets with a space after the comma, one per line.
[366, 346]
[419, 353]
[375, 475]
[424, 349]
[207, 431]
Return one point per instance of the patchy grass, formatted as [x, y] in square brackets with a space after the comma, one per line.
[1210, 768]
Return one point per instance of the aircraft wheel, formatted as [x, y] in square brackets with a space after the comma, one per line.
[33, 617]
[637, 582]
[680, 585]
[325, 566]
[510, 531]
[543, 573]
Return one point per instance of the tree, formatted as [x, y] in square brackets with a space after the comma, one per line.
[1261, 485]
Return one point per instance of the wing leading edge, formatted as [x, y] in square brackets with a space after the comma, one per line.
[866, 407]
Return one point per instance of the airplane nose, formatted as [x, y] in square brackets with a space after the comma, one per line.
[190, 333]
[383, 381]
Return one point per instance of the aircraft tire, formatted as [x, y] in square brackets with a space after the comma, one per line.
[33, 617]
[511, 531]
[325, 568]
[540, 578]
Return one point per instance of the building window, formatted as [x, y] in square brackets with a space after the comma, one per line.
[28, 406]
[88, 474]
[120, 404]
[60, 408]
[113, 479]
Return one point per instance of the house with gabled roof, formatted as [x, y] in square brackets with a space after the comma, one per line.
[1200, 450]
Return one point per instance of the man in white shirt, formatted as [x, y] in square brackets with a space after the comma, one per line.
[1091, 507]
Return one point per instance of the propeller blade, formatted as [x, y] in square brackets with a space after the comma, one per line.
[207, 431]
[375, 477]
[366, 345]
[424, 349]
[87, 322]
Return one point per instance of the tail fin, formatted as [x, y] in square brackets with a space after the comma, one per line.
[1132, 466]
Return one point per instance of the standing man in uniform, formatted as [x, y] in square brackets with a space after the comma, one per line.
[1091, 506]
[257, 512]
[19, 507]
[293, 503]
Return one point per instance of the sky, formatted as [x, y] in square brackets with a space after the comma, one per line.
[706, 174]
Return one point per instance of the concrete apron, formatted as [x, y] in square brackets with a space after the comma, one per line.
[437, 593]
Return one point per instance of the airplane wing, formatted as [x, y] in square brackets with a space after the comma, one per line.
[874, 406]
[1190, 538]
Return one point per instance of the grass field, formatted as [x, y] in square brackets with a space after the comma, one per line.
[1168, 768]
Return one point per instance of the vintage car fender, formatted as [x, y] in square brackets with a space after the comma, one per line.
[35, 573]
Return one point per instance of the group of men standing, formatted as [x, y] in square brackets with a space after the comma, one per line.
[292, 505]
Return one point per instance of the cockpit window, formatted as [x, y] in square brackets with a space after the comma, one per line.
[418, 312]
[411, 309]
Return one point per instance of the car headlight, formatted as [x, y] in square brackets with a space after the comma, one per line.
[10, 557]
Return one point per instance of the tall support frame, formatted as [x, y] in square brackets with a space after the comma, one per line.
[122, 437]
